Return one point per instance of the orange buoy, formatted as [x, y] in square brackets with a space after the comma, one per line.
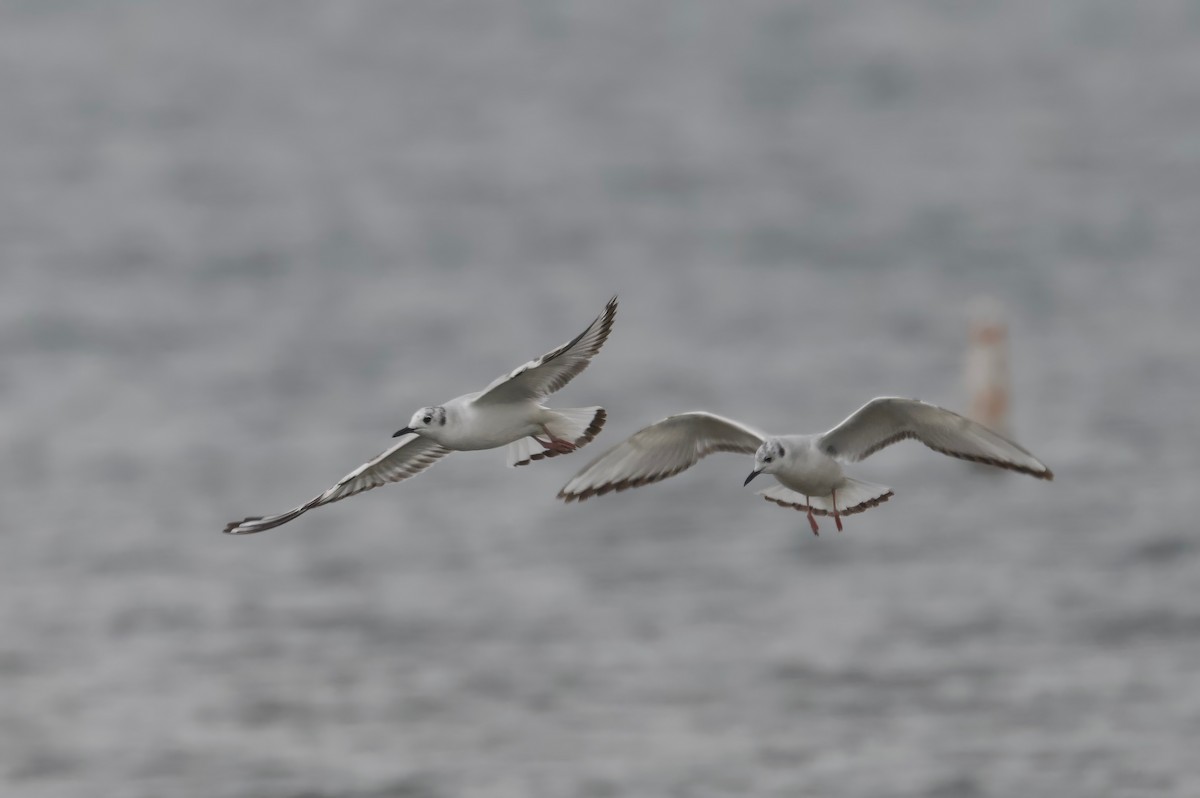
[986, 373]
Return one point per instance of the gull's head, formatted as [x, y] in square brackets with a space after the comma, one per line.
[767, 460]
[423, 419]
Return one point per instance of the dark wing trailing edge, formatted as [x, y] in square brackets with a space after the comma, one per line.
[661, 450]
[409, 457]
[887, 420]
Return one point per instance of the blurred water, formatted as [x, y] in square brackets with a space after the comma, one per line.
[242, 243]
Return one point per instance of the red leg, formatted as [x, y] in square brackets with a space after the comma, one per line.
[812, 521]
[837, 518]
[557, 444]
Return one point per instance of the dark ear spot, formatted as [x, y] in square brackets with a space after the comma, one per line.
[442, 420]
[831, 450]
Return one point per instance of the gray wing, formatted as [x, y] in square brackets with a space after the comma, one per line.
[658, 451]
[888, 419]
[412, 455]
[539, 378]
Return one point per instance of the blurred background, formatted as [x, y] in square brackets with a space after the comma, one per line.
[241, 243]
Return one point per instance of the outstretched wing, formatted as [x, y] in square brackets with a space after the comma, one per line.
[658, 451]
[539, 378]
[888, 419]
[412, 455]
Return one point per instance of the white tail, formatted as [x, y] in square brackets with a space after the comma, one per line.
[579, 425]
[853, 496]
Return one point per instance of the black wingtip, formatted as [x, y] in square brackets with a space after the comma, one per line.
[606, 318]
[232, 527]
[610, 312]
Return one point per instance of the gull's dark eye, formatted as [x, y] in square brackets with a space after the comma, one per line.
[768, 459]
[427, 419]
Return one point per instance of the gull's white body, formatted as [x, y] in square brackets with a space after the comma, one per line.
[509, 412]
[470, 427]
[808, 468]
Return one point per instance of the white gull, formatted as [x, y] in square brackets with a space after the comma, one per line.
[807, 467]
[507, 412]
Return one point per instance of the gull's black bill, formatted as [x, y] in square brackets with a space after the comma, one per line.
[404, 431]
[753, 474]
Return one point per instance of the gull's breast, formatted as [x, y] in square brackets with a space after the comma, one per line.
[812, 473]
[488, 427]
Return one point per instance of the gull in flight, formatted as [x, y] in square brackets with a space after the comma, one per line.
[507, 412]
[808, 468]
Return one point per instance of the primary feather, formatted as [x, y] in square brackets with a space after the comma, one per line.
[539, 378]
[660, 450]
[412, 455]
[889, 419]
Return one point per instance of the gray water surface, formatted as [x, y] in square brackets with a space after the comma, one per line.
[242, 243]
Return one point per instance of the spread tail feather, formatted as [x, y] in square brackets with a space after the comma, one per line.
[853, 496]
[579, 425]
